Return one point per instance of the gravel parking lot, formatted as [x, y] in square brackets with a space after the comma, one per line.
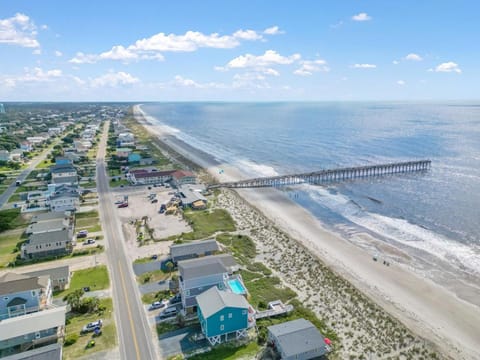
[139, 205]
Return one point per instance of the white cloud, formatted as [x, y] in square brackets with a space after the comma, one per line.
[180, 81]
[361, 17]
[413, 57]
[269, 58]
[31, 76]
[250, 80]
[247, 35]
[447, 67]
[18, 30]
[44, 27]
[274, 30]
[37, 52]
[401, 82]
[81, 58]
[395, 62]
[153, 47]
[118, 53]
[364, 66]
[113, 79]
[58, 53]
[308, 67]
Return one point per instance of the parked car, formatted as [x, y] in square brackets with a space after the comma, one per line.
[118, 202]
[83, 232]
[92, 326]
[157, 305]
[123, 205]
[89, 241]
[175, 300]
[81, 235]
[154, 201]
[168, 312]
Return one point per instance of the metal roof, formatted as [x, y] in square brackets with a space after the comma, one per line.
[65, 180]
[213, 300]
[194, 248]
[47, 216]
[56, 273]
[46, 226]
[48, 237]
[205, 266]
[11, 283]
[297, 337]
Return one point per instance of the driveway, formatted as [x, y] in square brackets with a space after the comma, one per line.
[142, 268]
[154, 287]
[181, 341]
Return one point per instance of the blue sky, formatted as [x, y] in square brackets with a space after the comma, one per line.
[238, 50]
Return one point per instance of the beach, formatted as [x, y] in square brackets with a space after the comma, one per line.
[437, 318]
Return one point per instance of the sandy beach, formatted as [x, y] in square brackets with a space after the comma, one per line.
[298, 247]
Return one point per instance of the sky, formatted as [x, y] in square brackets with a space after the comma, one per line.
[264, 50]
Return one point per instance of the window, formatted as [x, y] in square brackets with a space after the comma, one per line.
[187, 292]
[222, 318]
[222, 327]
[229, 315]
[5, 298]
[34, 293]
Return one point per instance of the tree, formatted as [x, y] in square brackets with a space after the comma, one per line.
[169, 265]
[74, 299]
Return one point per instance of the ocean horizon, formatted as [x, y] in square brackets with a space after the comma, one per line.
[432, 217]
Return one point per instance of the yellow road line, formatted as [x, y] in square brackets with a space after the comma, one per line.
[129, 312]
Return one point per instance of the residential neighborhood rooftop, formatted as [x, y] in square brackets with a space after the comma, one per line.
[297, 336]
[44, 238]
[209, 265]
[213, 300]
[47, 216]
[194, 247]
[13, 283]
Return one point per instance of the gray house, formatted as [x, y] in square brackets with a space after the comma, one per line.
[59, 276]
[297, 340]
[47, 244]
[193, 249]
[199, 275]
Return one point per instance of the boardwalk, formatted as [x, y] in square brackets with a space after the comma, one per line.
[330, 176]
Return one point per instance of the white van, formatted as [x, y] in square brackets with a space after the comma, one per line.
[168, 312]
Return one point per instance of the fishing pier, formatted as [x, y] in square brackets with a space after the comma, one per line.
[330, 176]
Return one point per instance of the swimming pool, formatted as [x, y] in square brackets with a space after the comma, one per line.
[237, 286]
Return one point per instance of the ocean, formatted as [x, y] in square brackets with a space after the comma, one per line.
[434, 217]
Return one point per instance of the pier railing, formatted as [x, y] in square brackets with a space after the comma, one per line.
[330, 176]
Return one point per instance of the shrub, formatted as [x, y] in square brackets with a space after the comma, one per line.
[70, 340]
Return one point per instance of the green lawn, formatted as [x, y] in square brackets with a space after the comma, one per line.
[15, 198]
[95, 277]
[12, 219]
[44, 164]
[75, 323]
[117, 183]
[8, 244]
[152, 276]
[207, 222]
[90, 223]
[230, 352]
[87, 214]
[156, 296]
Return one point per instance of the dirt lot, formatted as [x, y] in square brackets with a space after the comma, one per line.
[139, 205]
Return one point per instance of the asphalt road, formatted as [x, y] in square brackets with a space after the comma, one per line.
[22, 176]
[135, 336]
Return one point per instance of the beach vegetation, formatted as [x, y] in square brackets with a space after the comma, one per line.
[206, 223]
